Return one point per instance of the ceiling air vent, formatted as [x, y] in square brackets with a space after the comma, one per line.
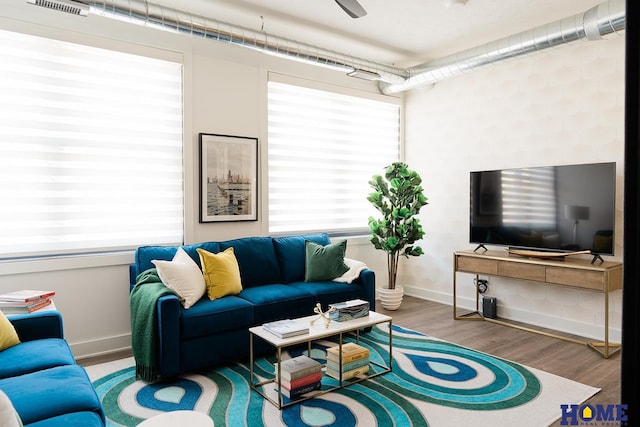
[69, 6]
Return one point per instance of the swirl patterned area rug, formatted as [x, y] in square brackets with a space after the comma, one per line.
[433, 383]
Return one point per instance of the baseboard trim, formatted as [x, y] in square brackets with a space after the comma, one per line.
[429, 295]
[101, 347]
[595, 332]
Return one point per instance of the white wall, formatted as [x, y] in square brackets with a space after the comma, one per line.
[225, 92]
[563, 106]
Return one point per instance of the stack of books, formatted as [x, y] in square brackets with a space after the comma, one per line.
[298, 376]
[286, 328]
[355, 361]
[25, 301]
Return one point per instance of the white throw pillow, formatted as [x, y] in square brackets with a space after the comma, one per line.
[8, 415]
[182, 275]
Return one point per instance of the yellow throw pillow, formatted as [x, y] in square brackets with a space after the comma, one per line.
[221, 273]
[8, 334]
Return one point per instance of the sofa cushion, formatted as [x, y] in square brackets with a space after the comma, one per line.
[74, 419]
[291, 254]
[8, 334]
[324, 262]
[212, 317]
[183, 275]
[278, 301]
[192, 250]
[31, 356]
[256, 259]
[145, 254]
[51, 392]
[221, 273]
[38, 325]
[329, 292]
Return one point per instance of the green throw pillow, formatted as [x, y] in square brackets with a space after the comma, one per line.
[324, 262]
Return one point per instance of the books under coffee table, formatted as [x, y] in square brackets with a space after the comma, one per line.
[298, 376]
[286, 388]
[347, 361]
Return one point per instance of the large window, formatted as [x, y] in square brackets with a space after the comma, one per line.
[324, 146]
[90, 148]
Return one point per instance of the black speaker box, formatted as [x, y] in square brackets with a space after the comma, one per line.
[489, 307]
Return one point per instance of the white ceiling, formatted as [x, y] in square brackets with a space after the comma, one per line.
[402, 33]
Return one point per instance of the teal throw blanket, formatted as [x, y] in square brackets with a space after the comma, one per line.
[144, 323]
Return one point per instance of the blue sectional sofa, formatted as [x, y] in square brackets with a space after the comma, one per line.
[41, 378]
[272, 271]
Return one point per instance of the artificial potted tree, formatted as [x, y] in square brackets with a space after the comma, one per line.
[398, 196]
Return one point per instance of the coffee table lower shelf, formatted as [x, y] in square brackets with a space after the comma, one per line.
[316, 332]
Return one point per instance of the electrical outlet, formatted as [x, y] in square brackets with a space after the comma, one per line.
[483, 286]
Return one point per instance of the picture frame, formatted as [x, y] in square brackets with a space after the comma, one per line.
[228, 178]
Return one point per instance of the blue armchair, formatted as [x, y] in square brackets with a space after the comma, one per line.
[40, 377]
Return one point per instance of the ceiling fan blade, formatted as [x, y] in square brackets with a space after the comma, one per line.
[352, 7]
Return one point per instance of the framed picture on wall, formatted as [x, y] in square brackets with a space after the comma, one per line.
[228, 178]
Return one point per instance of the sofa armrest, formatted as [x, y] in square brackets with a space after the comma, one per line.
[133, 273]
[367, 279]
[169, 312]
[39, 325]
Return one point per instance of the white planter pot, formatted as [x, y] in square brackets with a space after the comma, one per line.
[391, 298]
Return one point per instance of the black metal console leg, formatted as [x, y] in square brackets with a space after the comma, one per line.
[480, 246]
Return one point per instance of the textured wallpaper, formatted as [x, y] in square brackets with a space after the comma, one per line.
[562, 106]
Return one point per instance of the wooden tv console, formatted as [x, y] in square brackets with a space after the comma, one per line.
[575, 273]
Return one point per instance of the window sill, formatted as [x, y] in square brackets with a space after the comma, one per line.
[68, 262]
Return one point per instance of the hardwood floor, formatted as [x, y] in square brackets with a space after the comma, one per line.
[566, 359]
[96, 360]
[563, 358]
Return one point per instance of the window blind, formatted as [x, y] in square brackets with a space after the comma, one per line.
[90, 148]
[323, 148]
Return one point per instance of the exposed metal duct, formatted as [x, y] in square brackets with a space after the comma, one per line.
[594, 24]
[144, 13]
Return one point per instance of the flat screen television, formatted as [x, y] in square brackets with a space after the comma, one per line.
[551, 208]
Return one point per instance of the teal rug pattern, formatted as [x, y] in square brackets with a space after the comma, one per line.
[433, 383]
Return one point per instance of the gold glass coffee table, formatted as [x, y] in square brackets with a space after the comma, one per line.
[317, 331]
